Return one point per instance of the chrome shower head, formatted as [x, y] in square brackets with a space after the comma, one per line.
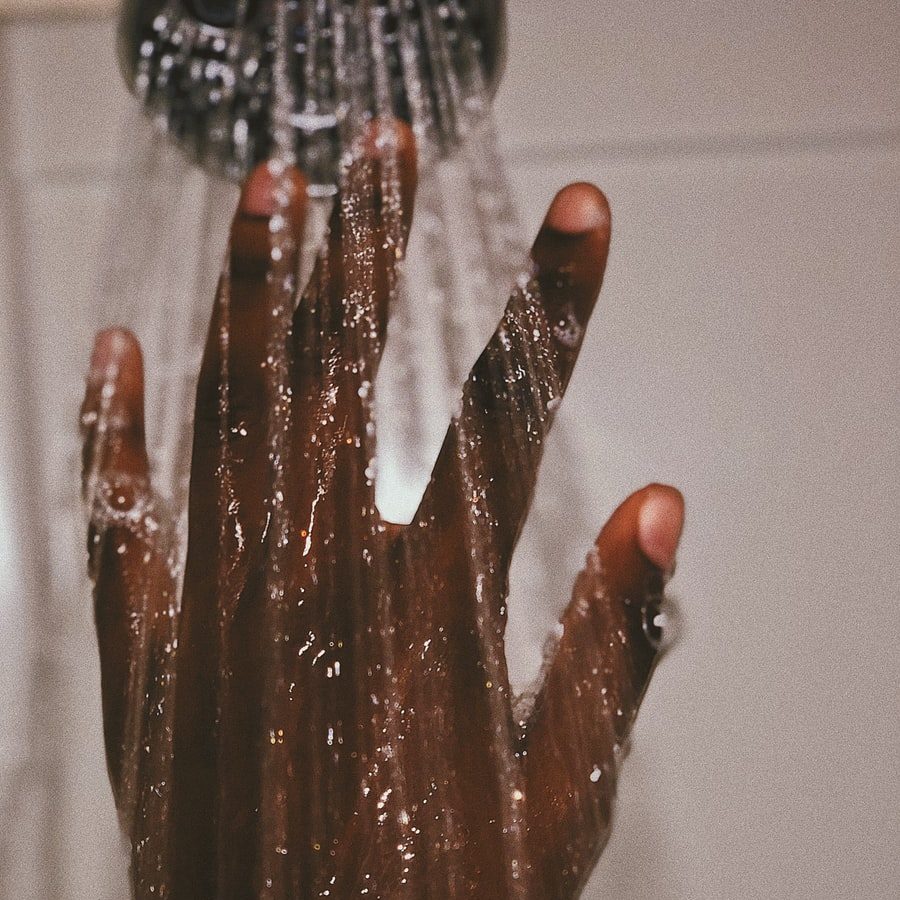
[205, 70]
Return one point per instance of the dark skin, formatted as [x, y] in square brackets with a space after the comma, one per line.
[564, 756]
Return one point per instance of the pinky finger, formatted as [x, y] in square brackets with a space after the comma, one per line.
[121, 529]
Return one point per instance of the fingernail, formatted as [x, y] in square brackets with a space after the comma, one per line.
[388, 137]
[578, 209]
[259, 196]
[110, 347]
[660, 522]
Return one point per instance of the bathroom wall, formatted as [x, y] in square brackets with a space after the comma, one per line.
[745, 350]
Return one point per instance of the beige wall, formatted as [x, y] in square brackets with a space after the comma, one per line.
[56, 8]
[746, 351]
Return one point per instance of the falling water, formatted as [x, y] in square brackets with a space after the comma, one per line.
[317, 700]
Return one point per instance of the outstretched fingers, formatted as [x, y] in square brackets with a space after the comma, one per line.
[493, 449]
[594, 686]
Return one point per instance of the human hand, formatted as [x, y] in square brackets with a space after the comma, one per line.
[400, 771]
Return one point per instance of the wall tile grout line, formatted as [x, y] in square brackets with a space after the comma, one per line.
[687, 147]
[738, 146]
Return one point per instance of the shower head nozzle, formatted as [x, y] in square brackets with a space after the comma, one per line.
[205, 71]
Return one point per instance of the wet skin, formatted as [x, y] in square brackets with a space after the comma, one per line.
[220, 734]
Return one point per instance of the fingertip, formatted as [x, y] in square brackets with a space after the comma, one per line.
[114, 399]
[660, 522]
[640, 539]
[579, 209]
[569, 259]
[114, 348]
[386, 136]
[115, 370]
[117, 361]
[393, 140]
[271, 188]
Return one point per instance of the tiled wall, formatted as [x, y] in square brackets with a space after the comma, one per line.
[746, 351]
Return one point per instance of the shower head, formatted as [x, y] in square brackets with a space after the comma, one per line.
[205, 71]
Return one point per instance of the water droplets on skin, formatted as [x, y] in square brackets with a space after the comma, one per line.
[355, 682]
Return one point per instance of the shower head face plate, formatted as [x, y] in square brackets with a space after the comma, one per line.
[204, 70]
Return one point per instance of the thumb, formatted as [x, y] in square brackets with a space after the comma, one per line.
[594, 686]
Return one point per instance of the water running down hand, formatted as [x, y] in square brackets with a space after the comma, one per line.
[340, 810]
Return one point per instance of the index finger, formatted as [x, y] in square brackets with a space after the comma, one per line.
[519, 380]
